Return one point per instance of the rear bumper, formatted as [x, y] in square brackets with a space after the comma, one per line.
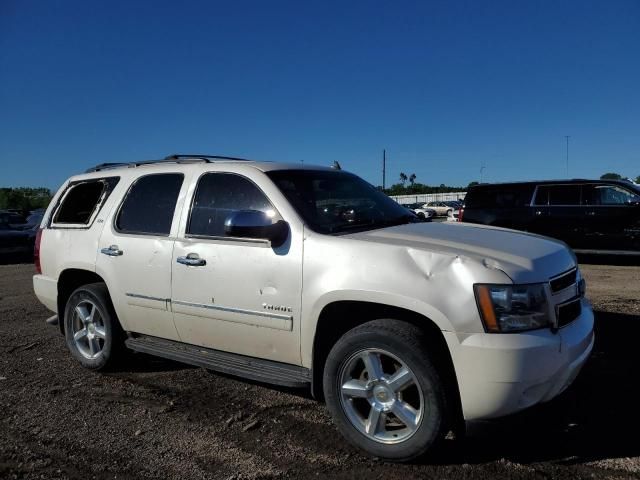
[46, 289]
[500, 374]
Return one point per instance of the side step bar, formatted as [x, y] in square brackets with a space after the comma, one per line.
[257, 369]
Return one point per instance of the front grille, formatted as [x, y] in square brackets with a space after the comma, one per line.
[563, 281]
[568, 312]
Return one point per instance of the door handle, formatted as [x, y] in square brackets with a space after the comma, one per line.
[538, 212]
[112, 251]
[591, 213]
[192, 260]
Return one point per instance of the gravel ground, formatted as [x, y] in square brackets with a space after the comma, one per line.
[159, 419]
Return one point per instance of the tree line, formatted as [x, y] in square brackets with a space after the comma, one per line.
[407, 185]
[24, 199]
[617, 176]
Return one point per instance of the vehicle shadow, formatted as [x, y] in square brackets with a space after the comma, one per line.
[135, 362]
[594, 419]
[16, 259]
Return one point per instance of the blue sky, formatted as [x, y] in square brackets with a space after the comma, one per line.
[444, 86]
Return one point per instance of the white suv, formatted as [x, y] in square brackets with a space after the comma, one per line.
[310, 277]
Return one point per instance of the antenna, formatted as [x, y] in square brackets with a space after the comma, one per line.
[567, 139]
[384, 168]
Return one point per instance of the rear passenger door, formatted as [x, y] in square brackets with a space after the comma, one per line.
[559, 213]
[239, 295]
[135, 251]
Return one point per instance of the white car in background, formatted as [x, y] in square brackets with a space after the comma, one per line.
[442, 208]
[453, 215]
[419, 209]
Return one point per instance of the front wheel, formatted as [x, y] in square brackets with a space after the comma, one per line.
[383, 391]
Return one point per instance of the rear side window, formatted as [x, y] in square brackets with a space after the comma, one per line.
[83, 200]
[568, 195]
[149, 205]
[218, 196]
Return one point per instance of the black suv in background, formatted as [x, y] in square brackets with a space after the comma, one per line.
[589, 215]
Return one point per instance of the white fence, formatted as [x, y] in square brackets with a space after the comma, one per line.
[429, 197]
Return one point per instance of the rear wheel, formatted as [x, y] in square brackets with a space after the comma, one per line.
[383, 391]
[92, 330]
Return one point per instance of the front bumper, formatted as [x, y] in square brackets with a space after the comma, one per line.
[500, 374]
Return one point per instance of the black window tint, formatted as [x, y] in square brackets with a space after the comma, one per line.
[149, 206]
[219, 195]
[542, 196]
[499, 197]
[564, 195]
[80, 202]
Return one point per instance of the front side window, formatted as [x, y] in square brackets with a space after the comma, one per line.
[82, 200]
[149, 205]
[218, 196]
[335, 202]
[612, 195]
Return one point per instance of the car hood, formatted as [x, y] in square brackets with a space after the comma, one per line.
[524, 257]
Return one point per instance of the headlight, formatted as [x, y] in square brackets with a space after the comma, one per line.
[513, 308]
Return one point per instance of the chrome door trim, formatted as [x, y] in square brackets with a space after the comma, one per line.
[147, 297]
[234, 310]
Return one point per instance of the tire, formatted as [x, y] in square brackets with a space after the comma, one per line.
[92, 330]
[421, 216]
[413, 417]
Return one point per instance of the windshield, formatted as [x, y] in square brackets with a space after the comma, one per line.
[335, 202]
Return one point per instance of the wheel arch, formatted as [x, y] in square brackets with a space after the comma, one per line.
[68, 281]
[339, 317]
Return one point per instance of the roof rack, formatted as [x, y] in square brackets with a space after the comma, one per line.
[179, 156]
[176, 158]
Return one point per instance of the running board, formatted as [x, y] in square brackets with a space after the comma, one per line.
[251, 368]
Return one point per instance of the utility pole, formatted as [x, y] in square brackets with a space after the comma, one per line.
[482, 168]
[567, 138]
[384, 168]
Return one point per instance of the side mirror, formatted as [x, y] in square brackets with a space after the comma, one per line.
[256, 224]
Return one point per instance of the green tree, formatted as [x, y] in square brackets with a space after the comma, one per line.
[412, 178]
[24, 199]
[403, 178]
[637, 180]
[611, 176]
[473, 184]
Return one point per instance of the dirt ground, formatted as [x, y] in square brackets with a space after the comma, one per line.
[158, 419]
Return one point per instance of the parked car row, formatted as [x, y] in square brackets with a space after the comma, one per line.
[17, 234]
[425, 214]
[591, 216]
[427, 211]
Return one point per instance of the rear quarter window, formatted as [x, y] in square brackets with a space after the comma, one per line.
[499, 197]
[82, 201]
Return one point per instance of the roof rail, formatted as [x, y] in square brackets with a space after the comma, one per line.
[180, 156]
[176, 158]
